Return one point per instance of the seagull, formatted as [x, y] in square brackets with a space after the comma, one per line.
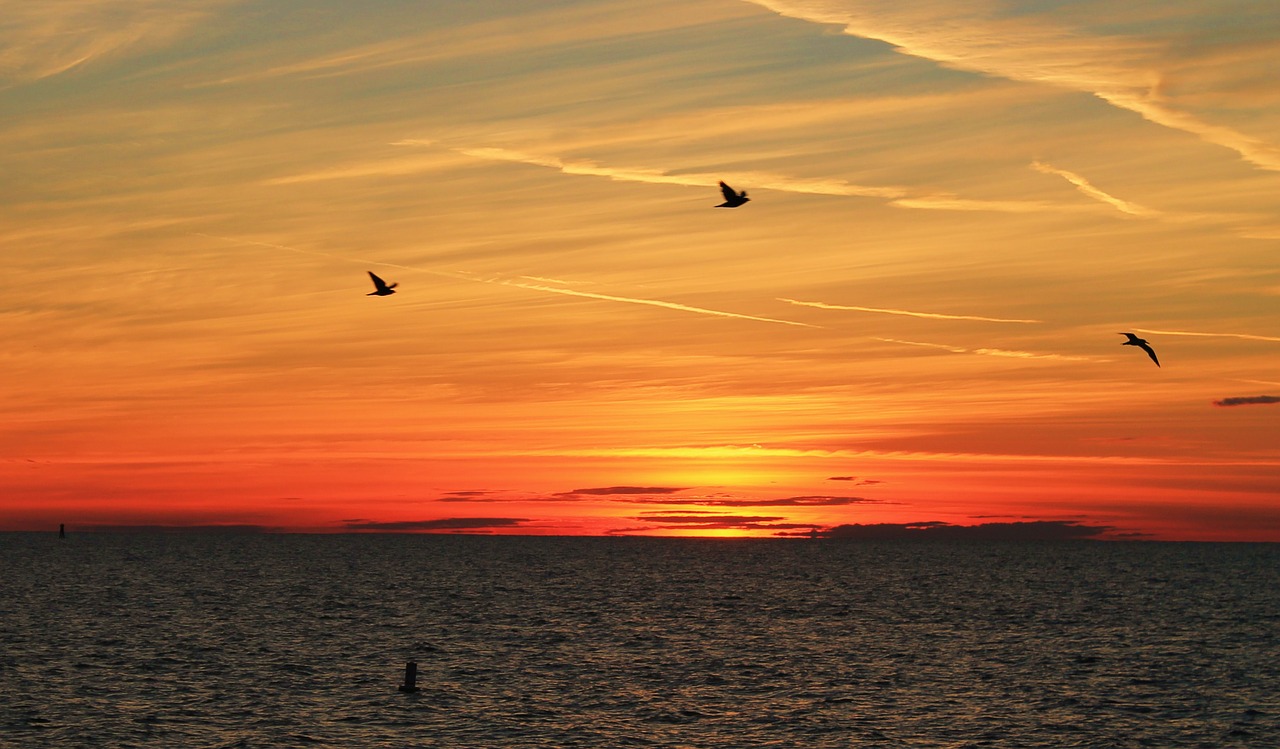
[380, 287]
[732, 199]
[1142, 344]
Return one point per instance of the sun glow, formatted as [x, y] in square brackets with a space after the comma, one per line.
[897, 328]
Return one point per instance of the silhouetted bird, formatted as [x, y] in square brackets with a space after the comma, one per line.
[732, 199]
[380, 287]
[1142, 344]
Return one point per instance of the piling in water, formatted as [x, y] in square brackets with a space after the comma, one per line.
[62, 530]
[410, 677]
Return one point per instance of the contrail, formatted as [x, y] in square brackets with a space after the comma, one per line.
[1118, 70]
[1087, 187]
[1245, 336]
[908, 313]
[650, 302]
[583, 167]
[989, 351]
[530, 286]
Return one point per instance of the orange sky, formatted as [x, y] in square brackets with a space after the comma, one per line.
[956, 207]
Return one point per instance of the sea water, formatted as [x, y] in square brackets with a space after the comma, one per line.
[161, 640]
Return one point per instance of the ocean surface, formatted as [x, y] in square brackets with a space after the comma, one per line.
[155, 640]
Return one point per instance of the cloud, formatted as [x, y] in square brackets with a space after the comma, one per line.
[469, 496]
[1248, 400]
[709, 521]
[1243, 336]
[1123, 71]
[528, 28]
[705, 516]
[896, 196]
[1005, 353]
[650, 302]
[806, 501]
[41, 39]
[438, 524]
[629, 490]
[908, 313]
[857, 481]
[1086, 187]
[758, 180]
[738, 451]
[1037, 530]
[520, 285]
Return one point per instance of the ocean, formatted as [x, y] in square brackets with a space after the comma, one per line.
[207, 640]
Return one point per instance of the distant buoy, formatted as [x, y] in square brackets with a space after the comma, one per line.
[410, 677]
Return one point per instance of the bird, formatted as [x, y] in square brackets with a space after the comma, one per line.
[732, 199]
[1142, 344]
[380, 287]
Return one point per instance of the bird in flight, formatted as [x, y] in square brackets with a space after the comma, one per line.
[1142, 344]
[732, 199]
[380, 287]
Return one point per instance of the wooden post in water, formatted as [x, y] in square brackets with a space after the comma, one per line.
[62, 530]
[410, 677]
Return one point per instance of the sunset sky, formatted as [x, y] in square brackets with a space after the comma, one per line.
[956, 207]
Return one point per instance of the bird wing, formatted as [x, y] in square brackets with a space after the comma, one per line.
[1150, 352]
[1132, 338]
[729, 194]
[378, 283]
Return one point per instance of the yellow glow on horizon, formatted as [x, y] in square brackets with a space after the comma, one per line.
[915, 318]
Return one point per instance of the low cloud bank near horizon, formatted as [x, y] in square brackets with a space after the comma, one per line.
[806, 501]
[625, 490]
[1036, 530]
[440, 524]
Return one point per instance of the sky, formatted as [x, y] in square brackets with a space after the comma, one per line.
[912, 327]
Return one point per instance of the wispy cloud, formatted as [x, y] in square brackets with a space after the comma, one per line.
[471, 496]
[523, 285]
[805, 501]
[944, 202]
[1249, 400]
[710, 521]
[1088, 189]
[757, 180]
[1005, 353]
[40, 39]
[741, 452]
[1123, 71]
[626, 490]
[530, 27]
[1243, 336]
[908, 313]
[649, 302]
[375, 168]
[857, 481]
[439, 524]
[900, 197]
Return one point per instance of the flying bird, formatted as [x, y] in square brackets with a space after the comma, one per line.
[732, 199]
[1142, 344]
[380, 287]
